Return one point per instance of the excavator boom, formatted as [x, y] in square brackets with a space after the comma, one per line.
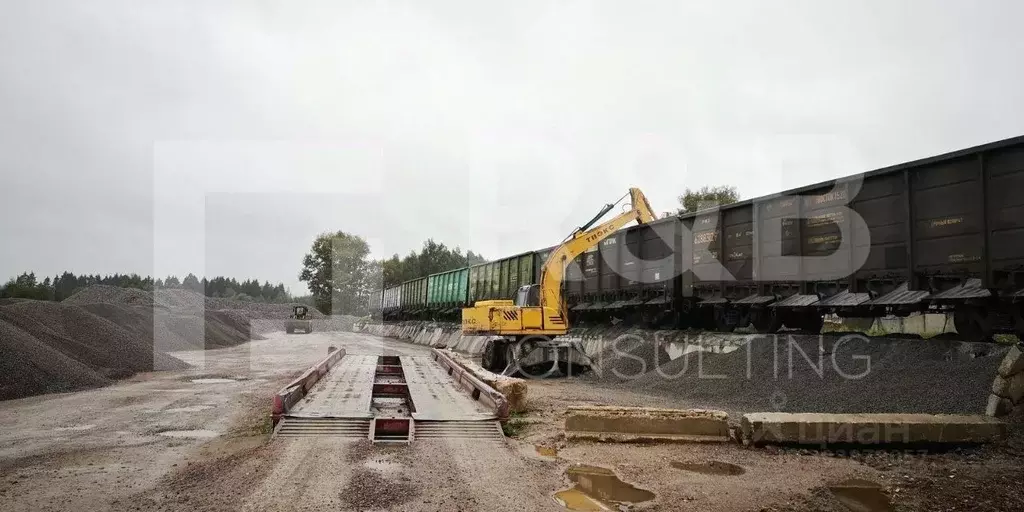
[553, 271]
[545, 316]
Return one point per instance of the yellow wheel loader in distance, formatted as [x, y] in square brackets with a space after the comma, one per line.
[299, 321]
[528, 325]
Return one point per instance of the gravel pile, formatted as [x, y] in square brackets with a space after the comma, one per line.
[102, 293]
[765, 373]
[31, 367]
[59, 347]
[181, 301]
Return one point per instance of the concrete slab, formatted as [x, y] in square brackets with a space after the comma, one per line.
[631, 424]
[869, 429]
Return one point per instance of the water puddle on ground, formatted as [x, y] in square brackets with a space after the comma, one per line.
[710, 467]
[212, 381]
[862, 496]
[190, 434]
[546, 451]
[597, 488]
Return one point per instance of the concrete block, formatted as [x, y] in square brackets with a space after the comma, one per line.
[642, 424]
[1011, 388]
[998, 406]
[1013, 363]
[868, 429]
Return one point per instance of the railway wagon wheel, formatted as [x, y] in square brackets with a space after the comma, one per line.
[721, 320]
[812, 322]
[972, 323]
[766, 320]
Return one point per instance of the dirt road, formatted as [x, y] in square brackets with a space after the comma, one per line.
[199, 440]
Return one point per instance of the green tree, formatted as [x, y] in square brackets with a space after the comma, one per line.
[335, 271]
[707, 197]
[191, 282]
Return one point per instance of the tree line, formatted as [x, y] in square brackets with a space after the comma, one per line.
[62, 286]
[342, 277]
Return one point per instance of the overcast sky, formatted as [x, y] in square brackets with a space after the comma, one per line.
[221, 137]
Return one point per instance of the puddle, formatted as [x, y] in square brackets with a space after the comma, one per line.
[862, 496]
[74, 428]
[192, 408]
[710, 467]
[546, 451]
[213, 381]
[597, 488]
[190, 434]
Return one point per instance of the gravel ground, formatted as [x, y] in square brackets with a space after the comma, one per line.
[802, 373]
[102, 450]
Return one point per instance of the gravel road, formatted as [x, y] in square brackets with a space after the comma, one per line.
[197, 439]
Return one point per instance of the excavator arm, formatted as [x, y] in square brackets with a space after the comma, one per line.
[525, 327]
[584, 238]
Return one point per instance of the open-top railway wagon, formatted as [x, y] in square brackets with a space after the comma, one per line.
[942, 234]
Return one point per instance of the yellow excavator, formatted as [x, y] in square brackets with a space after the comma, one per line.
[526, 326]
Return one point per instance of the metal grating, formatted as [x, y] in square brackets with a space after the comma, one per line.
[352, 428]
[485, 430]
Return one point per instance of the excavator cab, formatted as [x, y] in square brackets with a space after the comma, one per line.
[528, 296]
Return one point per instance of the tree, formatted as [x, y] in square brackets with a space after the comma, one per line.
[707, 197]
[335, 271]
[474, 259]
[192, 283]
[172, 282]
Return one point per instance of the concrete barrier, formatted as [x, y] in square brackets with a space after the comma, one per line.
[297, 389]
[868, 429]
[639, 424]
[513, 389]
[1008, 386]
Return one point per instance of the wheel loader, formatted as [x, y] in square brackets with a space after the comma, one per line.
[299, 321]
[526, 327]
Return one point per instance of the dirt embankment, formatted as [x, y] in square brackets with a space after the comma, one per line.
[105, 333]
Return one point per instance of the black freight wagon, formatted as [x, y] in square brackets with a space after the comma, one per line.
[631, 275]
[944, 233]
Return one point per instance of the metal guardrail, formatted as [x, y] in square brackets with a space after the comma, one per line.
[477, 388]
[297, 389]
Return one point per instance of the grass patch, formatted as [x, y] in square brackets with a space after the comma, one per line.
[515, 425]
[1005, 339]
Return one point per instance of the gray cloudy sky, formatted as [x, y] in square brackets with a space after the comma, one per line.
[220, 137]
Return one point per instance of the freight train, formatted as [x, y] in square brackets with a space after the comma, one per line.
[941, 234]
